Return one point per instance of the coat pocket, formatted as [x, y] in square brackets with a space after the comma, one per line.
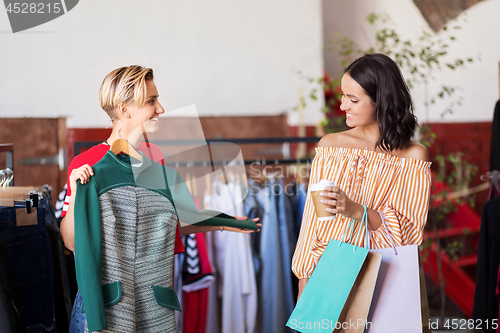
[111, 293]
[166, 297]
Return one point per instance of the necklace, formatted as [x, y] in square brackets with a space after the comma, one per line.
[366, 146]
[364, 142]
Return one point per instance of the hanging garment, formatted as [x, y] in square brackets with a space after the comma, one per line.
[125, 225]
[62, 293]
[195, 311]
[191, 265]
[299, 204]
[12, 316]
[233, 263]
[196, 270]
[488, 258]
[197, 277]
[254, 208]
[59, 204]
[31, 256]
[213, 313]
[179, 259]
[495, 140]
[276, 246]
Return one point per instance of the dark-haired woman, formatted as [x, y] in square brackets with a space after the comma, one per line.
[374, 163]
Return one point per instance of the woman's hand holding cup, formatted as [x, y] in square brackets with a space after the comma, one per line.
[321, 205]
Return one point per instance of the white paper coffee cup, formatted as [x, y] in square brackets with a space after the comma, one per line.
[315, 189]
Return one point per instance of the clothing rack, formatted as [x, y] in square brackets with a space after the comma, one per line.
[285, 140]
[24, 197]
[491, 176]
[8, 149]
[493, 179]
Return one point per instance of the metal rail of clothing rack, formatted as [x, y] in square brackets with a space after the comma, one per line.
[79, 145]
[8, 149]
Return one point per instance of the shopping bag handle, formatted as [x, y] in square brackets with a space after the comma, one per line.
[390, 235]
[343, 239]
[364, 225]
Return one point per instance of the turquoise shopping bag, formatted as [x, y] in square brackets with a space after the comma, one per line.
[328, 288]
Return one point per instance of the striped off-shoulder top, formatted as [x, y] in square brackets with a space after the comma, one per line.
[398, 188]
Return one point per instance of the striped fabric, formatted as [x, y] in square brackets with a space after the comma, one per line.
[398, 188]
[138, 238]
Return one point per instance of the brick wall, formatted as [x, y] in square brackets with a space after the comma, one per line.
[473, 139]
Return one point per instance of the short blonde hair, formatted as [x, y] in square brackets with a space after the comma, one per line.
[124, 85]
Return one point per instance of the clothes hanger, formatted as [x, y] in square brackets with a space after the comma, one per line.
[15, 192]
[30, 196]
[123, 146]
[6, 176]
[3, 179]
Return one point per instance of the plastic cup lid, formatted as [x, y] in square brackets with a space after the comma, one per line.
[321, 185]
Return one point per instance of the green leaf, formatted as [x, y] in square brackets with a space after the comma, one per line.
[371, 18]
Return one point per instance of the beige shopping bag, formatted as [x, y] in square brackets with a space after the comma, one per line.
[353, 316]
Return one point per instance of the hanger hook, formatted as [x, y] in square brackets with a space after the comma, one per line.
[110, 121]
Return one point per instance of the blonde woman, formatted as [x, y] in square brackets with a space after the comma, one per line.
[130, 98]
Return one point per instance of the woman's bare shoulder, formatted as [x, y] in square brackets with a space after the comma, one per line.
[338, 140]
[414, 150]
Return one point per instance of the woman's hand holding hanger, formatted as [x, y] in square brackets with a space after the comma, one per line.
[83, 174]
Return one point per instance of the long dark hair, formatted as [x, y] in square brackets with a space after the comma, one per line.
[382, 80]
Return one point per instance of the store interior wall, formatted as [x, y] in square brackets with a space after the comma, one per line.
[37, 142]
[230, 58]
